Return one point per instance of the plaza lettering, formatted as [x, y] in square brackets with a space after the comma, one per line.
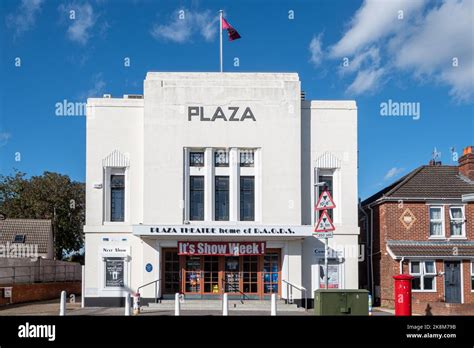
[231, 114]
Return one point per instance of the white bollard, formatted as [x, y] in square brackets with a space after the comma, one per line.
[225, 305]
[176, 304]
[83, 286]
[127, 304]
[62, 304]
[274, 305]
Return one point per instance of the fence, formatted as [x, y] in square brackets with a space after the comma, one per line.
[21, 271]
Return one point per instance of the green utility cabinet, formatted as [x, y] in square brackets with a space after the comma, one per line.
[341, 302]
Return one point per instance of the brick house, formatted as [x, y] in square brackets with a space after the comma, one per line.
[423, 225]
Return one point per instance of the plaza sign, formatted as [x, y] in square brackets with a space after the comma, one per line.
[231, 114]
[222, 230]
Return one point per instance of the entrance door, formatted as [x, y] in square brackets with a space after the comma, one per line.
[171, 271]
[232, 274]
[452, 281]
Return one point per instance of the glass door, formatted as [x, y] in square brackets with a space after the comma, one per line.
[171, 274]
[250, 274]
[271, 268]
[211, 274]
[232, 273]
[192, 274]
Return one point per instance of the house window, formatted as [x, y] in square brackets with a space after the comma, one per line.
[117, 197]
[424, 273]
[19, 238]
[436, 222]
[196, 159]
[456, 215]
[196, 193]
[222, 198]
[247, 158]
[472, 276]
[247, 198]
[114, 272]
[221, 158]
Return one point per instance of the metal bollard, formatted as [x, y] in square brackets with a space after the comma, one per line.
[127, 304]
[83, 286]
[136, 303]
[225, 305]
[274, 305]
[176, 304]
[62, 304]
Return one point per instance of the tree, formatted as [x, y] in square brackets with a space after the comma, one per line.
[49, 196]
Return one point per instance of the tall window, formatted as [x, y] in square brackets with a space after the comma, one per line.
[247, 198]
[456, 221]
[328, 179]
[222, 198]
[424, 273]
[196, 188]
[117, 197]
[436, 222]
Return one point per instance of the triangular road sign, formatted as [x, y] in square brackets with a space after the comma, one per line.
[325, 201]
[324, 223]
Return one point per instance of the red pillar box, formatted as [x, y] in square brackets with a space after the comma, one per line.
[403, 294]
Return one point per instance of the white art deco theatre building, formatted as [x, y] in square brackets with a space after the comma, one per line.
[206, 185]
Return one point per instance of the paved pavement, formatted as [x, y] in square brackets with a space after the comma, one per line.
[52, 308]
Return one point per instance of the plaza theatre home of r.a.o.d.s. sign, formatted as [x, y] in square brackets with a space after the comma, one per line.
[206, 184]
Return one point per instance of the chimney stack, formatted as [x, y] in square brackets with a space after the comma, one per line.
[466, 163]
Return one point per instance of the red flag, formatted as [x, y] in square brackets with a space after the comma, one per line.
[233, 34]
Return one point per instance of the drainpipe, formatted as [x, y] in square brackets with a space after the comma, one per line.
[401, 264]
[367, 241]
[371, 249]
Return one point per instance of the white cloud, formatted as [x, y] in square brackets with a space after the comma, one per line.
[97, 90]
[81, 26]
[182, 28]
[24, 17]
[4, 137]
[316, 50]
[366, 81]
[443, 34]
[392, 173]
[373, 21]
[423, 44]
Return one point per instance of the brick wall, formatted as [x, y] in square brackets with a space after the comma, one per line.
[387, 226]
[39, 291]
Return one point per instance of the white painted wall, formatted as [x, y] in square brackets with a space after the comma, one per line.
[151, 135]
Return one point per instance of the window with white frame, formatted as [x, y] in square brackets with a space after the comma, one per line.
[424, 273]
[456, 216]
[221, 184]
[115, 194]
[436, 221]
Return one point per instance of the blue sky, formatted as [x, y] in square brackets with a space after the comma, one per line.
[415, 51]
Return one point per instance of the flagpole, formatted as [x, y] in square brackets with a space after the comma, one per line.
[220, 32]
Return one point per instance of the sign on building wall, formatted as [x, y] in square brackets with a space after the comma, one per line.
[333, 277]
[114, 272]
[221, 248]
[222, 230]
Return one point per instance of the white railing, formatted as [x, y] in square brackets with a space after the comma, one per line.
[289, 293]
